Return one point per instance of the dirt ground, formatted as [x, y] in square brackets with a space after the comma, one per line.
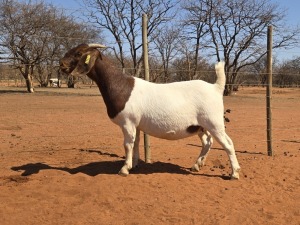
[60, 155]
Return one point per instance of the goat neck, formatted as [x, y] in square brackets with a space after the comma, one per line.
[114, 86]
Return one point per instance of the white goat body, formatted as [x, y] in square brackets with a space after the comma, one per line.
[168, 110]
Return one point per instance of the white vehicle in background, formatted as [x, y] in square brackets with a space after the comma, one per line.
[54, 82]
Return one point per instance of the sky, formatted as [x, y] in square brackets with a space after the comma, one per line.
[293, 18]
[66, 4]
[292, 7]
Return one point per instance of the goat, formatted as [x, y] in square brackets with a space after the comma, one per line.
[169, 111]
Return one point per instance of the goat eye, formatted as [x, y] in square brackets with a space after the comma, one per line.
[78, 54]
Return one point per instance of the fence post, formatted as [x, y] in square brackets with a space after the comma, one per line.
[146, 74]
[269, 90]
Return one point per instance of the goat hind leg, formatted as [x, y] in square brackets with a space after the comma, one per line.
[227, 144]
[207, 142]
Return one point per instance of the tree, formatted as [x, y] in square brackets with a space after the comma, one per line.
[260, 68]
[196, 28]
[239, 27]
[182, 64]
[122, 20]
[30, 34]
[288, 73]
[22, 31]
[166, 42]
[238, 30]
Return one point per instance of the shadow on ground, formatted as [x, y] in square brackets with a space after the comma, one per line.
[112, 167]
[13, 91]
[240, 151]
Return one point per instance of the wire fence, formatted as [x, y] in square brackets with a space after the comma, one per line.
[246, 127]
[245, 79]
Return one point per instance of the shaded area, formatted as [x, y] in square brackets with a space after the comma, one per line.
[100, 153]
[112, 167]
[244, 152]
[53, 91]
[91, 169]
[104, 167]
[291, 141]
[12, 91]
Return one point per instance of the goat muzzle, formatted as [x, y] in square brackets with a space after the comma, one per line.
[63, 67]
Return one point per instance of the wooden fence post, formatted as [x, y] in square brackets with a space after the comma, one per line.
[269, 90]
[146, 74]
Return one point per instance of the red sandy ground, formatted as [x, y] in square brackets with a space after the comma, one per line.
[59, 156]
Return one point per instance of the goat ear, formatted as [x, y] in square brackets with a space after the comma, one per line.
[86, 63]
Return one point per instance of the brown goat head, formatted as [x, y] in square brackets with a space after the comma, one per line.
[80, 60]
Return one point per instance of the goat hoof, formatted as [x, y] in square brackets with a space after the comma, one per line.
[235, 174]
[235, 177]
[124, 172]
[195, 168]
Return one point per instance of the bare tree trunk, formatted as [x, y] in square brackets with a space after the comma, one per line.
[71, 82]
[27, 74]
[196, 56]
[227, 90]
[231, 84]
[228, 85]
[29, 84]
[138, 68]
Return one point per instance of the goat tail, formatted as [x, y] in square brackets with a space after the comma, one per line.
[221, 77]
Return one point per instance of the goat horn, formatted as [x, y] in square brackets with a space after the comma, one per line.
[96, 46]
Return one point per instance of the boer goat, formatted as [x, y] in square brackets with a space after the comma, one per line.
[169, 111]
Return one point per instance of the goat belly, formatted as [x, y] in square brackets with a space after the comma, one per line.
[170, 134]
[168, 131]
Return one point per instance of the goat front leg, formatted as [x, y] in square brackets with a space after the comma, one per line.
[136, 152]
[129, 133]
